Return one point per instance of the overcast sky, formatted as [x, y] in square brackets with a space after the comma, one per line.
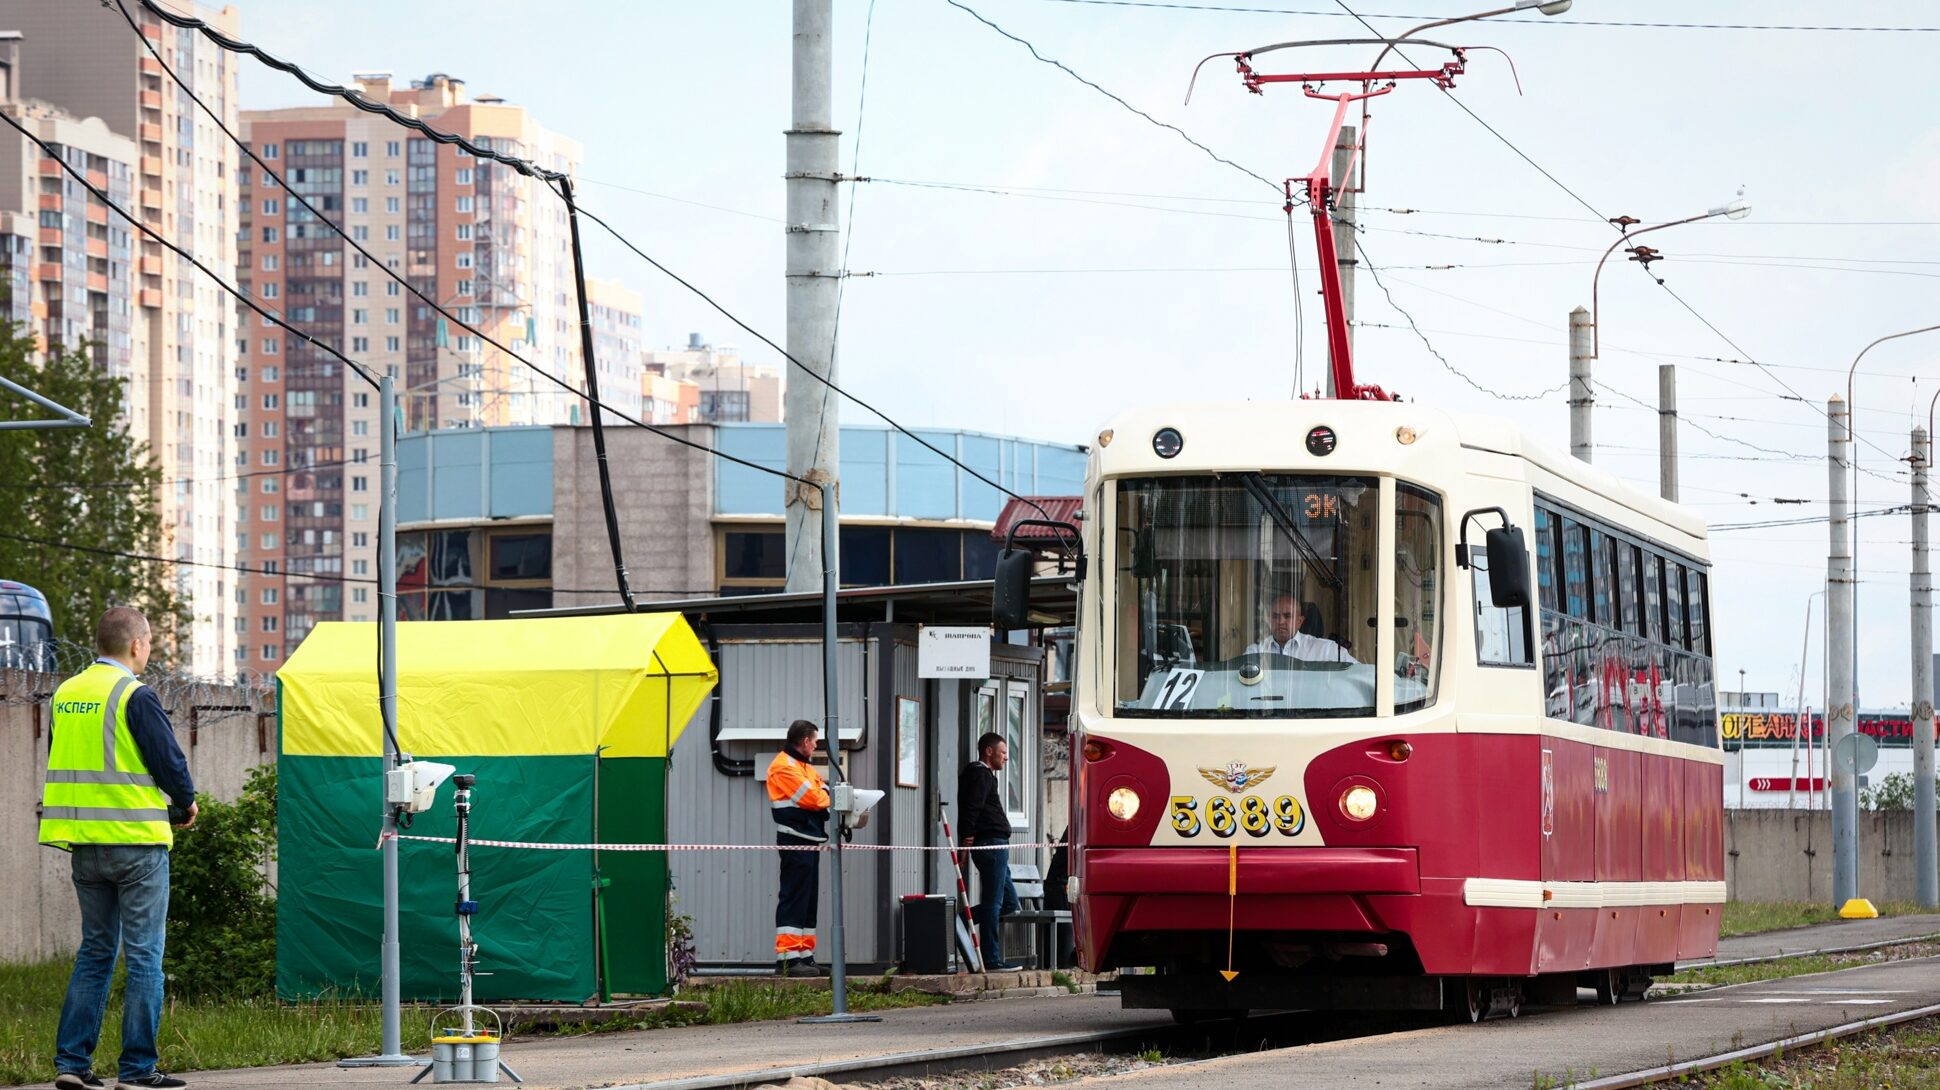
[1122, 265]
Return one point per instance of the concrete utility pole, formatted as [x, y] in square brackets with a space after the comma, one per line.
[1667, 431]
[1839, 712]
[1582, 397]
[809, 407]
[1926, 863]
[1343, 176]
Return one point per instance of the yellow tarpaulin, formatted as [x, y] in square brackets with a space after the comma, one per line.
[622, 686]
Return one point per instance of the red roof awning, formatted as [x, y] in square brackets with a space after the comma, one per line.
[1055, 509]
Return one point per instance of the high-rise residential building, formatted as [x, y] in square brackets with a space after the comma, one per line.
[617, 320]
[488, 243]
[731, 392]
[176, 338]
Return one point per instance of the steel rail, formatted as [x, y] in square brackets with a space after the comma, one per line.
[1667, 1072]
[1685, 966]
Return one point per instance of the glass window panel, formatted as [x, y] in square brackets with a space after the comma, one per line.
[754, 554]
[1501, 635]
[1556, 665]
[928, 556]
[1697, 589]
[1548, 560]
[1576, 569]
[1583, 679]
[1417, 592]
[451, 558]
[1016, 703]
[1627, 586]
[1653, 598]
[1603, 571]
[1674, 604]
[1241, 595]
[521, 556]
[865, 556]
[500, 602]
[979, 555]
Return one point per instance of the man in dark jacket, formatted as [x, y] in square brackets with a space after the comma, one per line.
[986, 825]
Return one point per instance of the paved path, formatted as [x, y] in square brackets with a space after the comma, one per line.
[1579, 1041]
[637, 1057]
[656, 1055]
[1820, 936]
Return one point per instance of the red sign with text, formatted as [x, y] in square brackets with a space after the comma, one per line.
[1786, 783]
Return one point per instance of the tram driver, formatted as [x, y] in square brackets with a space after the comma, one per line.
[1285, 637]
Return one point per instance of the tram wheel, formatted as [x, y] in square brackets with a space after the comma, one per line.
[1634, 982]
[1609, 987]
[1476, 992]
[1511, 999]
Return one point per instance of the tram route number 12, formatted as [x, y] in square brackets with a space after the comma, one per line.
[1175, 692]
[1224, 816]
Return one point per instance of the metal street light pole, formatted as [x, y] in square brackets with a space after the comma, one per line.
[1737, 209]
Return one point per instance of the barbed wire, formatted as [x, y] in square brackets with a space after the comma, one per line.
[30, 672]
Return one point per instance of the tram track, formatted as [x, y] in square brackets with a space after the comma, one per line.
[1194, 1044]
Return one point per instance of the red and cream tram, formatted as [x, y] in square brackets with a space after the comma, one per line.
[1342, 739]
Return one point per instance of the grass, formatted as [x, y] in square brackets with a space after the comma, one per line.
[1799, 966]
[205, 1034]
[195, 1035]
[1749, 918]
[1905, 1057]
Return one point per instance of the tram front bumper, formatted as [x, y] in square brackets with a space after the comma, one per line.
[1185, 871]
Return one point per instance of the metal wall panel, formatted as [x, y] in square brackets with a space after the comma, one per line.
[773, 674]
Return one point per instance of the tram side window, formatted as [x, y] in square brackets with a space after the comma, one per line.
[1603, 566]
[1653, 597]
[1573, 691]
[1417, 634]
[1674, 604]
[1698, 602]
[1548, 561]
[1627, 586]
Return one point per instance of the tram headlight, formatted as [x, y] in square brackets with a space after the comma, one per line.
[1167, 443]
[1359, 802]
[1122, 803]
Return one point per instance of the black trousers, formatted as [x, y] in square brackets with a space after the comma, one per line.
[795, 908]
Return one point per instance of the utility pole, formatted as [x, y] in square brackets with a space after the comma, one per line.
[1839, 716]
[1582, 397]
[1343, 174]
[809, 407]
[1667, 431]
[1926, 863]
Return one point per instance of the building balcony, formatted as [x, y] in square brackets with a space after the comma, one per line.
[151, 198]
[98, 282]
[51, 168]
[151, 99]
[48, 270]
[50, 236]
[50, 202]
[151, 265]
[151, 165]
[151, 297]
[98, 247]
[97, 213]
[151, 67]
[152, 131]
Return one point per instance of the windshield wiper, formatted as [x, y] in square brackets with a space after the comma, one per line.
[1278, 513]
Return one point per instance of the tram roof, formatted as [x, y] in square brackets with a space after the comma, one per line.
[1239, 433]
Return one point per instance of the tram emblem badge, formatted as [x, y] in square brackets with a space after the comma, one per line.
[1236, 776]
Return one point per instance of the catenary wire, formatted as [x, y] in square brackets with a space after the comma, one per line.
[1073, 73]
[1234, 9]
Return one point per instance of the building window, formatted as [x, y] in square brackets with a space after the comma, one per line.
[360, 177]
[360, 511]
[359, 233]
[269, 652]
[464, 232]
[464, 260]
[269, 624]
[390, 315]
[359, 149]
[269, 346]
[390, 232]
[359, 316]
[271, 290]
[359, 206]
[464, 176]
[360, 287]
[360, 427]
[464, 204]
[390, 345]
[270, 487]
[390, 177]
[269, 151]
[269, 401]
[271, 262]
[269, 206]
[269, 234]
[268, 541]
[270, 456]
[391, 288]
[360, 567]
[360, 401]
[360, 540]
[360, 484]
[360, 344]
[391, 205]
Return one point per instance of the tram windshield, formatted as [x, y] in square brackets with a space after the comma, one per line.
[1255, 595]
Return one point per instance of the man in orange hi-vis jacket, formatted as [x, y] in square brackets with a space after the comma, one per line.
[800, 803]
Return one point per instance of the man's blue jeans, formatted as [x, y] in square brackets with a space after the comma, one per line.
[123, 890]
[998, 898]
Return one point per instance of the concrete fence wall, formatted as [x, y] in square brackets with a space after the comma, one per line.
[224, 731]
[1786, 855]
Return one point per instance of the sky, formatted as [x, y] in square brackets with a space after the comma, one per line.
[1117, 264]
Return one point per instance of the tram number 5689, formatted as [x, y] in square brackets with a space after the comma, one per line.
[1252, 814]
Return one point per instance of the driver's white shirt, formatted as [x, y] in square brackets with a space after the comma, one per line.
[1304, 647]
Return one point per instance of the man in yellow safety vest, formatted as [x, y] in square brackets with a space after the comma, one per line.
[115, 780]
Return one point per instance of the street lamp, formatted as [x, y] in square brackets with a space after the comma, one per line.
[1738, 208]
[1547, 7]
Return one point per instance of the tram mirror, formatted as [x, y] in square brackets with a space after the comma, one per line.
[1010, 595]
[1508, 568]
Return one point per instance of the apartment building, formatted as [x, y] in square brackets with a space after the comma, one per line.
[488, 243]
[173, 334]
[618, 317]
[730, 391]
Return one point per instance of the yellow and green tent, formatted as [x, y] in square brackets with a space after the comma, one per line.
[567, 722]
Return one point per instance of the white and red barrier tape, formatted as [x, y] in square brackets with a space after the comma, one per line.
[538, 846]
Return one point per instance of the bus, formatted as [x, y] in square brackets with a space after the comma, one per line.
[1379, 706]
[26, 628]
